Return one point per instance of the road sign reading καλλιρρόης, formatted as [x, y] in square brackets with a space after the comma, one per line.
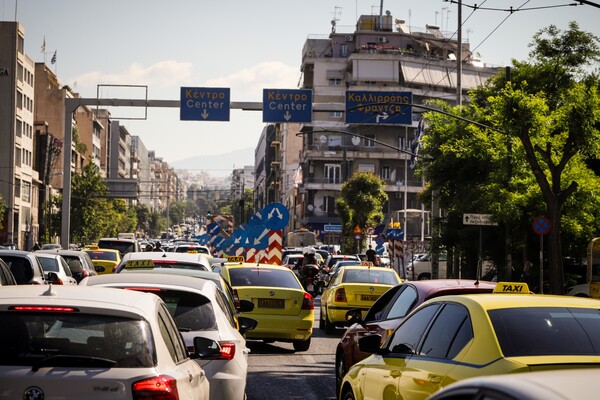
[368, 107]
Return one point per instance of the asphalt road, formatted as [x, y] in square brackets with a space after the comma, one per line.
[276, 372]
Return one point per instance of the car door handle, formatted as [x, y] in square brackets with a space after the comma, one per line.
[435, 379]
[190, 376]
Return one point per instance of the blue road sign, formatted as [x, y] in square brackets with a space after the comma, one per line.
[541, 225]
[217, 241]
[287, 105]
[213, 229]
[276, 216]
[256, 219]
[258, 237]
[204, 104]
[203, 239]
[369, 107]
[239, 237]
[379, 249]
[380, 240]
[332, 228]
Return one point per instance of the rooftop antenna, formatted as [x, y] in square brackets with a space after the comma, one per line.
[337, 11]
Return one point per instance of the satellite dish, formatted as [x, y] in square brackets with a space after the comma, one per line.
[333, 22]
[355, 140]
[388, 13]
[310, 207]
[323, 139]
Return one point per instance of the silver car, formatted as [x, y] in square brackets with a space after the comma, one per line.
[56, 269]
[73, 342]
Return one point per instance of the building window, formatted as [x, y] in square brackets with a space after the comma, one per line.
[335, 114]
[26, 191]
[333, 173]
[370, 83]
[18, 155]
[385, 172]
[366, 168]
[335, 82]
[369, 142]
[402, 143]
[19, 131]
[19, 100]
[343, 50]
[17, 187]
[329, 205]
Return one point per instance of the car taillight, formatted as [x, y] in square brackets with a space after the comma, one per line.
[308, 303]
[236, 299]
[227, 350]
[161, 387]
[340, 295]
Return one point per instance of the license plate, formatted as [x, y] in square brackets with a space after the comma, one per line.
[271, 303]
[369, 297]
[310, 287]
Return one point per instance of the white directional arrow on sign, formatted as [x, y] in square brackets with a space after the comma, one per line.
[275, 210]
[287, 116]
[262, 235]
[383, 115]
[204, 114]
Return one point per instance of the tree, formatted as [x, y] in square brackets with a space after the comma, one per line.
[547, 119]
[361, 203]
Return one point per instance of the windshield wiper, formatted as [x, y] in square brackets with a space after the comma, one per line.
[63, 360]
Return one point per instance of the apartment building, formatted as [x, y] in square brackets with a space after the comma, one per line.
[19, 178]
[383, 55]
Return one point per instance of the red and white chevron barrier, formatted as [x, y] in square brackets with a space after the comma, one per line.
[275, 249]
[250, 255]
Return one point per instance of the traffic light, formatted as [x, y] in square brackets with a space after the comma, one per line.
[208, 214]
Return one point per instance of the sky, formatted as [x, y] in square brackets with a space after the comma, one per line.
[243, 45]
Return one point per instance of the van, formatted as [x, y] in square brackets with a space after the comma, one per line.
[420, 268]
[123, 245]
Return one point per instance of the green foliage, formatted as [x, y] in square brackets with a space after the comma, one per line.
[546, 121]
[361, 203]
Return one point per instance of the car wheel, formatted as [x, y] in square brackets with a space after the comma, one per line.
[301, 345]
[424, 277]
[348, 395]
[340, 370]
[329, 327]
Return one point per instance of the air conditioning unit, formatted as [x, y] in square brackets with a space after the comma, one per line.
[382, 39]
[348, 38]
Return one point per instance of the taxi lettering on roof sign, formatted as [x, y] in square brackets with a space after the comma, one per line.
[236, 259]
[139, 264]
[512, 287]
[366, 263]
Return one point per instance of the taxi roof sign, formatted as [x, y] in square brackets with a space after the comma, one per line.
[366, 263]
[139, 264]
[512, 287]
[239, 259]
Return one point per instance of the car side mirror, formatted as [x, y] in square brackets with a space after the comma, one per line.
[52, 277]
[206, 349]
[245, 306]
[99, 269]
[371, 344]
[354, 316]
[246, 324]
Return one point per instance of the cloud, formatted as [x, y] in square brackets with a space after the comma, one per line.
[167, 73]
[249, 82]
[246, 84]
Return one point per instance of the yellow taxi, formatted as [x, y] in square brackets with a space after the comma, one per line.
[284, 311]
[353, 287]
[105, 260]
[451, 338]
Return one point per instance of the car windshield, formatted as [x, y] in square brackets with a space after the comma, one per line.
[122, 246]
[102, 255]
[529, 331]
[369, 276]
[263, 277]
[36, 338]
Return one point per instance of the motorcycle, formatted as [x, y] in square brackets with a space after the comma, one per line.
[308, 278]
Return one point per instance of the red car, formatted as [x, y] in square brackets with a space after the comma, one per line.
[389, 310]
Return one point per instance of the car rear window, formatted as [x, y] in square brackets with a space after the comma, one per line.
[45, 339]
[74, 263]
[102, 255]
[263, 277]
[547, 331]
[49, 264]
[189, 310]
[369, 276]
[122, 246]
[20, 268]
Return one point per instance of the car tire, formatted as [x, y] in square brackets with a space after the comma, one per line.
[347, 395]
[340, 370]
[329, 327]
[301, 345]
[424, 277]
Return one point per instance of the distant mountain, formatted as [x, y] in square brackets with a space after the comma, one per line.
[218, 164]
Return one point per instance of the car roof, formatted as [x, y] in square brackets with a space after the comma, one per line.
[254, 266]
[155, 255]
[195, 273]
[152, 278]
[14, 252]
[365, 267]
[492, 301]
[62, 252]
[119, 301]
[432, 286]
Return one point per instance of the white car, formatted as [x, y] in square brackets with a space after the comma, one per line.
[153, 259]
[73, 342]
[199, 308]
[56, 269]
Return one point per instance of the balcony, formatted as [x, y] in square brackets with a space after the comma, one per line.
[311, 183]
[378, 152]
